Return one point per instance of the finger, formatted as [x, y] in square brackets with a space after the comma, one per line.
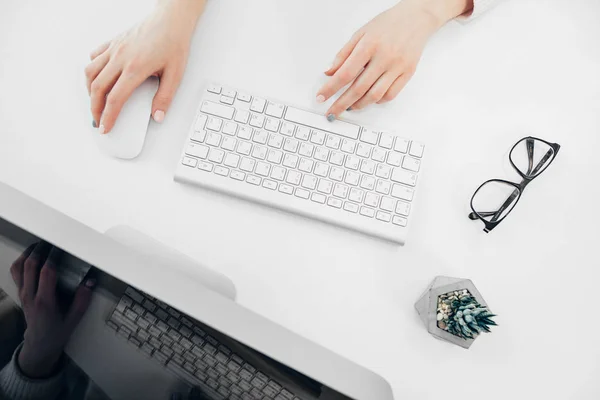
[395, 88]
[81, 301]
[169, 82]
[119, 94]
[377, 91]
[100, 88]
[99, 50]
[359, 87]
[31, 270]
[346, 73]
[343, 54]
[16, 269]
[94, 68]
[47, 285]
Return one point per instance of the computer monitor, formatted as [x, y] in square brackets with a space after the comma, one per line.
[107, 357]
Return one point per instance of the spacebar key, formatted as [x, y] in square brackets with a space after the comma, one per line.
[319, 122]
[217, 109]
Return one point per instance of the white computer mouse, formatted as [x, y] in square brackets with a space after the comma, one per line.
[126, 138]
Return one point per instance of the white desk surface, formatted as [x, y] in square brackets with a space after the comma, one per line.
[527, 67]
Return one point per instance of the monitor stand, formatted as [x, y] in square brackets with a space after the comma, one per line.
[168, 256]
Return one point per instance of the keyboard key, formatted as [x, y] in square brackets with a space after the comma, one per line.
[161, 358]
[325, 186]
[333, 202]
[230, 128]
[258, 383]
[197, 150]
[228, 92]
[185, 342]
[337, 174]
[306, 165]
[383, 187]
[367, 212]
[221, 170]
[262, 169]
[197, 340]
[291, 145]
[290, 160]
[227, 100]
[272, 124]
[275, 141]
[302, 133]
[379, 154]
[257, 120]
[198, 136]
[222, 357]
[306, 149]
[287, 189]
[333, 142]
[274, 156]
[356, 195]
[293, 177]
[260, 137]
[367, 182]
[411, 164]
[369, 136]
[214, 88]
[278, 173]
[287, 129]
[337, 158]
[386, 140]
[352, 178]
[396, 220]
[402, 176]
[402, 192]
[208, 167]
[132, 315]
[259, 152]
[401, 145]
[317, 137]
[309, 182]
[383, 171]
[318, 198]
[367, 167]
[321, 169]
[112, 325]
[320, 122]
[394, 158]
[244, 148]
[216, 155]
[178, 359]
[244, 97]
[303, 194]
[321, 153]
[149, 305]
[218, 110]
[242, 116]
[258, 105]
[388, 204]
[274, 110]
[245, 132]
[348, 146]
[189, 162]
[232, 160]
[146, 348]
[403, 208]
[247, 164]
[213, 139]
[253, 180]
[352, 162]
[416, 149]
[269, 391]
[372, 199]
[383, 216]
[340, 191]
[352, 207]
[363, 150]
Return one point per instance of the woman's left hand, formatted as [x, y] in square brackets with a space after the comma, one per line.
[382, 56]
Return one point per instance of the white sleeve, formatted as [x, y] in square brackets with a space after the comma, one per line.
[14, 385]
[479, 7]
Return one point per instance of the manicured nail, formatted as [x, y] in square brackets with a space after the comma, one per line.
[94, 124]
[320, 99]
[159, 116]
[90, 283]
[331, 118]
[101, 129]
[349, 109]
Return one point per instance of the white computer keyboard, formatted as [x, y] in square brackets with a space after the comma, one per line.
[285, 157]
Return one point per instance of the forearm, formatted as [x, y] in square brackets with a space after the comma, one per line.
[442, 11]
[187, 12]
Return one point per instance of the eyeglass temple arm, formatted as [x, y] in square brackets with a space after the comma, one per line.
[542, 162]
[496, 214]
[530, 147]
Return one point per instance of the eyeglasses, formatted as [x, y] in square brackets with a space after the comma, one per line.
[496, 198]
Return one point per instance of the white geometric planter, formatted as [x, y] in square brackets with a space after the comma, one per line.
[427, 304]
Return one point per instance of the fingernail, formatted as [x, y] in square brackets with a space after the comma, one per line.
[331, 118]
[320, 99]
[90, 283]
[159, 116]
[102, 130]
[94, 124]
[349, 109]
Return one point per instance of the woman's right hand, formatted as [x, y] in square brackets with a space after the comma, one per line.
[158, 46]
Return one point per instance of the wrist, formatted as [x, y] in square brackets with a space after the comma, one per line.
[442, 11]
[184, 13]
[35, 364]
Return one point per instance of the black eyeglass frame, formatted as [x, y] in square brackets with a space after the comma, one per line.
[532, 173]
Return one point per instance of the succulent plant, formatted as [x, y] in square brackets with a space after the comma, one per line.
[460, 314]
